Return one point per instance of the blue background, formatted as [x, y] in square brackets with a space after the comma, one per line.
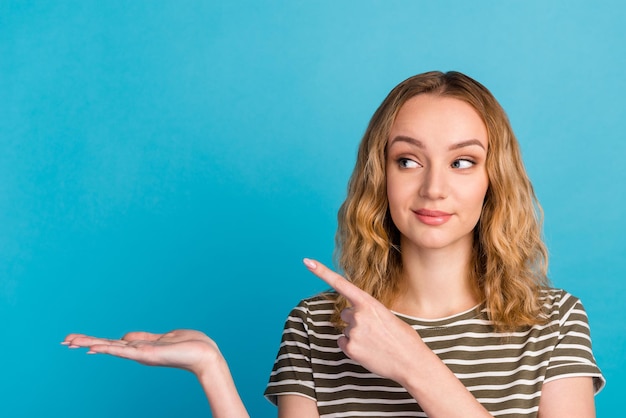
[167, 164]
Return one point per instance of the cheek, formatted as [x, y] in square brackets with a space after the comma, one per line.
[397, 190]
[476, 195]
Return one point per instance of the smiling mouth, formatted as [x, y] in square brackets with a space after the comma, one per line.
[432, 217]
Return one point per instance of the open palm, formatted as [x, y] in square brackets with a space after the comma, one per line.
[184, 349]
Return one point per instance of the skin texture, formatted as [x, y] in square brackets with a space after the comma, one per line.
[183, 349]
[568, 397]
[436, 161]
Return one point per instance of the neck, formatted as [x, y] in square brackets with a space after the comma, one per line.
[435, 283]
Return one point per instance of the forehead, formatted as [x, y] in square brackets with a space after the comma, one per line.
[438, 119]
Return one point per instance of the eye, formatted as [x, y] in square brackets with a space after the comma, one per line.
[463, 163]
[407, 163]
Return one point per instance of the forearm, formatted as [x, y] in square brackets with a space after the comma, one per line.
[221, 392]
[438, 391]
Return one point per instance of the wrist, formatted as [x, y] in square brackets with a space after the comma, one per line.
[212, 368]
[219, 387]
[414, 371]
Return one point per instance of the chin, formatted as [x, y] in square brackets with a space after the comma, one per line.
[434, 246]
[433, 243]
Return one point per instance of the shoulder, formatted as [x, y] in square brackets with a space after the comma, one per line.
[554, 296]
[572, 353]
[320, 304]
[314, 311]
[559, 303]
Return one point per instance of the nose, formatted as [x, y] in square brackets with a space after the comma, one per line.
[434, 184]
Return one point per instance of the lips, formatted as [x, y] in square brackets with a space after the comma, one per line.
[432, 217]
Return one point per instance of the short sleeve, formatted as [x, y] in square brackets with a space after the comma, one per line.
[572, 355]
[292, 372]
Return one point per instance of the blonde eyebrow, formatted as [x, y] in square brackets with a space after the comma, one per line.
[419, 143]
[407, 139]
[467, 143]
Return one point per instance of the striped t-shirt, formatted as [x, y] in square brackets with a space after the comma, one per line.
[504, 371]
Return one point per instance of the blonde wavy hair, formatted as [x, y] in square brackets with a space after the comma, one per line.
[509, 260]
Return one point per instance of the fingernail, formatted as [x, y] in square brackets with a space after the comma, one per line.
[65, 343]
[309, 263]
[91, 352]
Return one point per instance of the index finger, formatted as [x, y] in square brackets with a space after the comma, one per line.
[354, 295]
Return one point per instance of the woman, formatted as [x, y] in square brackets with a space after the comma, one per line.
[440, 234]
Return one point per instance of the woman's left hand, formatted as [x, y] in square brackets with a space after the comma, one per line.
[374, 336]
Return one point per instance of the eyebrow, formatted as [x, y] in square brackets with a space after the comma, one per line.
[419, 144]
[467, 143]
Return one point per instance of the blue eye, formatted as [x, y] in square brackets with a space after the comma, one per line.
[463, 163]
[407, 163]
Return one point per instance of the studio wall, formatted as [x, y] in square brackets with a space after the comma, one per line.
[168, 164]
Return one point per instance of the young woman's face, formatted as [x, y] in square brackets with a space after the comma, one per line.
[436, 172]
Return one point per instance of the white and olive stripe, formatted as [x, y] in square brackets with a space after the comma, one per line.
[504, 371]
